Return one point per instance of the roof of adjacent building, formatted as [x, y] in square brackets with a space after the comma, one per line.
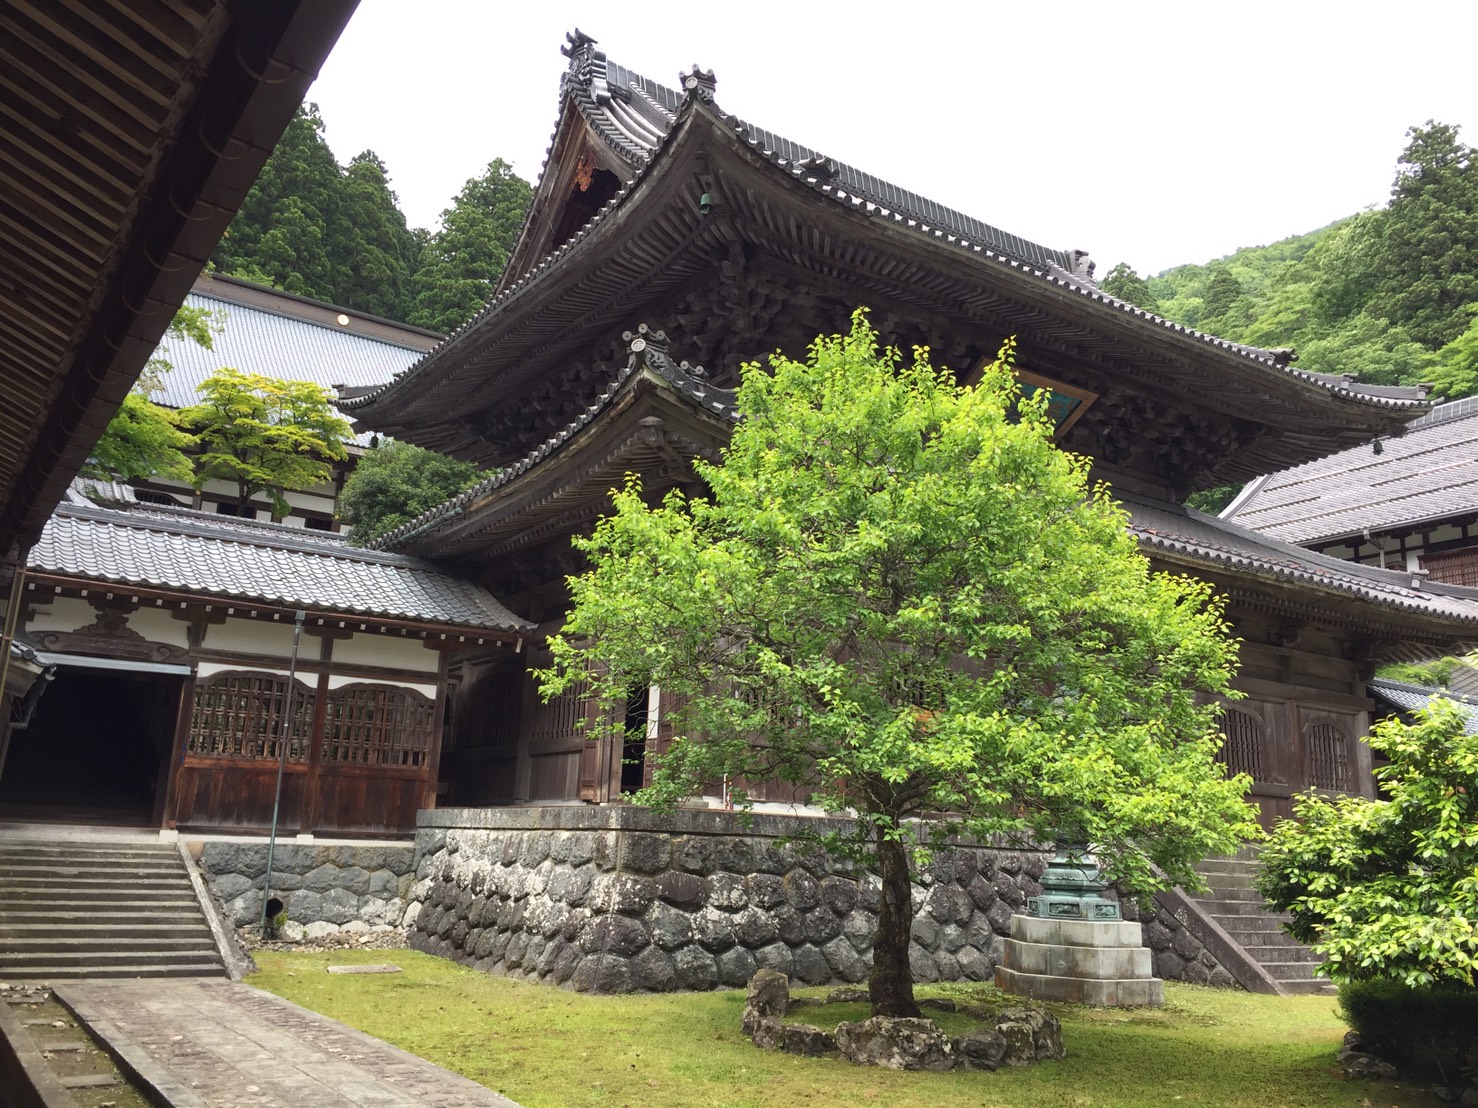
[279, 334]
[1409, 699]
[222, 557]
[1427, 474]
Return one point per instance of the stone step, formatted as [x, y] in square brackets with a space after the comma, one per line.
[1310, 986]
[128, 927]
[1285, 970]
[123, 954]
[1230, 905]
[1274, 954]
[75, 972]
[62, 856]
[178, 891]
[45, 871]
[1220, 881]
[94, 883]
[24, 947]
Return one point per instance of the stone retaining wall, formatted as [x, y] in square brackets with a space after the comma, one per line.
[619, 899]
[359, 887]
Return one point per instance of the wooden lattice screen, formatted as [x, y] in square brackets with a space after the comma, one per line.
[377, 725]
[1456, 567]
[1329, 757]
[563, 717]
[1242, 751]
[240, 715]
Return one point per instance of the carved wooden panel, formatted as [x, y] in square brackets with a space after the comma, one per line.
[240, 714]
[377, 725]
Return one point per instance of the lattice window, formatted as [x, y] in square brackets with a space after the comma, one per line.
[1329, 756]
[240, 715]
[377, 725]
[563, 717]
[1242, 751]
[1457, 567]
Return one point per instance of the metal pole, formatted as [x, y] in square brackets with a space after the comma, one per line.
[287, 731]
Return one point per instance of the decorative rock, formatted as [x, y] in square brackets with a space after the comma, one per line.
[1366, 1066]
[804, 1039]
[895, 1043]
[768, 993]
[979, 1050]
[767, 1032]
[1031, 1035]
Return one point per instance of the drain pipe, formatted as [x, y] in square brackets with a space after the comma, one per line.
[287, 732]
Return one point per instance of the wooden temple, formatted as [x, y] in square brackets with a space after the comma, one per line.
[668, 235]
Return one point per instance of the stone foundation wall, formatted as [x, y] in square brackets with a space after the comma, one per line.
[619, 899]
[1177, 954]
[325, 888]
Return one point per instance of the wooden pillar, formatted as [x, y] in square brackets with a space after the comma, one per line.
[167, 796]
[438, 725]
[309, 814]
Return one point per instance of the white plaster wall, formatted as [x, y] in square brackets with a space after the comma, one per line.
[259, 636]
[157, 625]
[375, 649]
[64, 613]
[338, 681]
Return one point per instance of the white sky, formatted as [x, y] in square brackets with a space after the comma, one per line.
[1150, 132]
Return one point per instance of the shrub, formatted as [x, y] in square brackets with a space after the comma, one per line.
[1430, 1031]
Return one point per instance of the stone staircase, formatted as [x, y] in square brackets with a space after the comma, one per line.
[75, 909]
[1233, 903]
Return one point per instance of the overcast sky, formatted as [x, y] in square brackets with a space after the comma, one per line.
[1153, 133]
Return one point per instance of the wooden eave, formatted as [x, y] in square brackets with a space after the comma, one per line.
[652, 239]
[202, 606]
[132, 133]
[647, 430]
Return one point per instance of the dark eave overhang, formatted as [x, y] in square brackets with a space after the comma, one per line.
[651, 237]
[653, 418]
[133, 133]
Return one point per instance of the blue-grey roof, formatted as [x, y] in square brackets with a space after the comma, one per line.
[218, 556]
[1408, 699]
[1427, 474]
[280, 335]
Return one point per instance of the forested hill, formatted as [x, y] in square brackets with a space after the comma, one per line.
[336, 233]
[1389, 295]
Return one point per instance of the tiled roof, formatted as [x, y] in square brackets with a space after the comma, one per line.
[1408, 699]
[279, 335]
[646, 349]
[636, 116]
[218, 556]
[1427, 474]
[1187, 535]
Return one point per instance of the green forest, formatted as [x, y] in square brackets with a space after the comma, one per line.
[336, 233]
[1389, 296]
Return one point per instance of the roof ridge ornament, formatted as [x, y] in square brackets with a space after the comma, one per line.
[650, 347]
[700, 83]
[819, 166]
[587, 66]
[1083, 265]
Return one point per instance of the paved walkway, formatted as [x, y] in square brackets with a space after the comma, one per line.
[215, 1044]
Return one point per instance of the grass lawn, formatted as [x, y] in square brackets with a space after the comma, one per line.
[547, 1048]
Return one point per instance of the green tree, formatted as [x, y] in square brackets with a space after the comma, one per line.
[1426, 263]
[902, 595]
[143, 439]
[395, 483]
[1456, 371]
[1389, 888]
[264, 435]
[287, 225]
[464, 257]
[1129, 286]
[379, 250]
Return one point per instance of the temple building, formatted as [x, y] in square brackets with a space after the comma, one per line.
[670, 242]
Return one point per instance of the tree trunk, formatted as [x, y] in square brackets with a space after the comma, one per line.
[890, 988]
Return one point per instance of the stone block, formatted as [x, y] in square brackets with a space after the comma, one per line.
[765, 890]
[806, 1040]
[670, 928]
[653, 971]
[979, 1050]
[695, 968]
[229, 885]
[802, 891]
[646, 852]
[922, 964]
[755, 928]
[1030, 929]
[845, 961]
[1104, 963]
[776, 957]
[726, 891]
[1144, 991]
[839, 894]
[602, 973]
[899, 1044]
[811, 966]
[736, 966]
[685, 890]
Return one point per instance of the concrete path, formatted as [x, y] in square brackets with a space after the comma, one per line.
[218, 1044]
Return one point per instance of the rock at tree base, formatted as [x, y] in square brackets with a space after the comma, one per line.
[804, 1039]
[767, 1032]
[768, 995]
[1031, 1035]
[979, 1050]
[895, 1043]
